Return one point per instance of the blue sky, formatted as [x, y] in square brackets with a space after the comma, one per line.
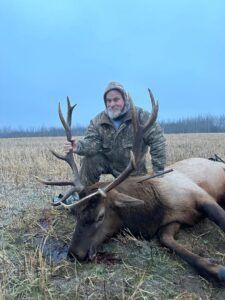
[51, 49]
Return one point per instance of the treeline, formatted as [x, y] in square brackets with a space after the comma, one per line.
[39, 132]
[199, 124]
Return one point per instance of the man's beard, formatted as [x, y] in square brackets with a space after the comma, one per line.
[114, 113]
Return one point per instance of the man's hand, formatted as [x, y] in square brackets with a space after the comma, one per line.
[68, 146]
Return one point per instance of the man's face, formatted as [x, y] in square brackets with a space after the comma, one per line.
[114, 103]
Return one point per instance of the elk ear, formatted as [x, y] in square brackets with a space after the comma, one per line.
[123, 200]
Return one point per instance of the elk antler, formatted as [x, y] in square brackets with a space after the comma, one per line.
[77, 186]
[135, 155]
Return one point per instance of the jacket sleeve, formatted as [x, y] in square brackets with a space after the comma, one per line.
[155, 139]
[91, 143]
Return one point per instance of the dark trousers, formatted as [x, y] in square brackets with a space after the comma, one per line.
[93, 167]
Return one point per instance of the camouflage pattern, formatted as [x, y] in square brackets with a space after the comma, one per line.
[107, 149]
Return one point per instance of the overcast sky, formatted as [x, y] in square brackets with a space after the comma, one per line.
[51, 49]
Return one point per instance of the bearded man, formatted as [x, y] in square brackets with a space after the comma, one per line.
[109, 139]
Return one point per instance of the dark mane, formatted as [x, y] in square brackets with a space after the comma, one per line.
[140, 218]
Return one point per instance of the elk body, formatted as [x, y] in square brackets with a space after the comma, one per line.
[195, 189]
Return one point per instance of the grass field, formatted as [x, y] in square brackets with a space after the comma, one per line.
[34, 236]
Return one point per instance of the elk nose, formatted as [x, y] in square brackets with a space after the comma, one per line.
[71, 256]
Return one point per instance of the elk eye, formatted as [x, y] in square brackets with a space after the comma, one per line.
[100, 218]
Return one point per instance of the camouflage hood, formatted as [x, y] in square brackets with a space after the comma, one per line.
[118, 86]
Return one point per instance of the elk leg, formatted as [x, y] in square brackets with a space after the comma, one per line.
[214, 212]
[202, 265]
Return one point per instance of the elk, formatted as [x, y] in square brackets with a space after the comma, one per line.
[146, 206]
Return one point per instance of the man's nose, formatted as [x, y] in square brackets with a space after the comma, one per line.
[113, 103]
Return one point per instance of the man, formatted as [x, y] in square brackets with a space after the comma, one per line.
[108, 140]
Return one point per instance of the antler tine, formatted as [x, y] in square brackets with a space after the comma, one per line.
[59, 183]
[69, 111]
[64, 123]
[58, 155]
[81, 201]
[62, 157]
[134, 118]
[138, 134]
[154, 113]
[69, 159]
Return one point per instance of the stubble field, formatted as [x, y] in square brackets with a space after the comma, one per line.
[34, 236]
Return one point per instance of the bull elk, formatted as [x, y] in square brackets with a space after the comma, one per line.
[195, 189]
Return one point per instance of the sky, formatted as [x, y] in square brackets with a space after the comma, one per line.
[57, 48]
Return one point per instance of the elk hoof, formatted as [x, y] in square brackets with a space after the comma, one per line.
[221, 274]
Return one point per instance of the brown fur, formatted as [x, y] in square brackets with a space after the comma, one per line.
[193, 190]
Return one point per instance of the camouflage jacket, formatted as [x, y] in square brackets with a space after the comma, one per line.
[115, 144]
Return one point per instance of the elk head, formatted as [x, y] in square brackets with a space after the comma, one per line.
[97, 210]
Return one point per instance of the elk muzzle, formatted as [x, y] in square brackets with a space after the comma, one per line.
[82, 255]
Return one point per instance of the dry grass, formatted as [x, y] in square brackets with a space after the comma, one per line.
[29, 225]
